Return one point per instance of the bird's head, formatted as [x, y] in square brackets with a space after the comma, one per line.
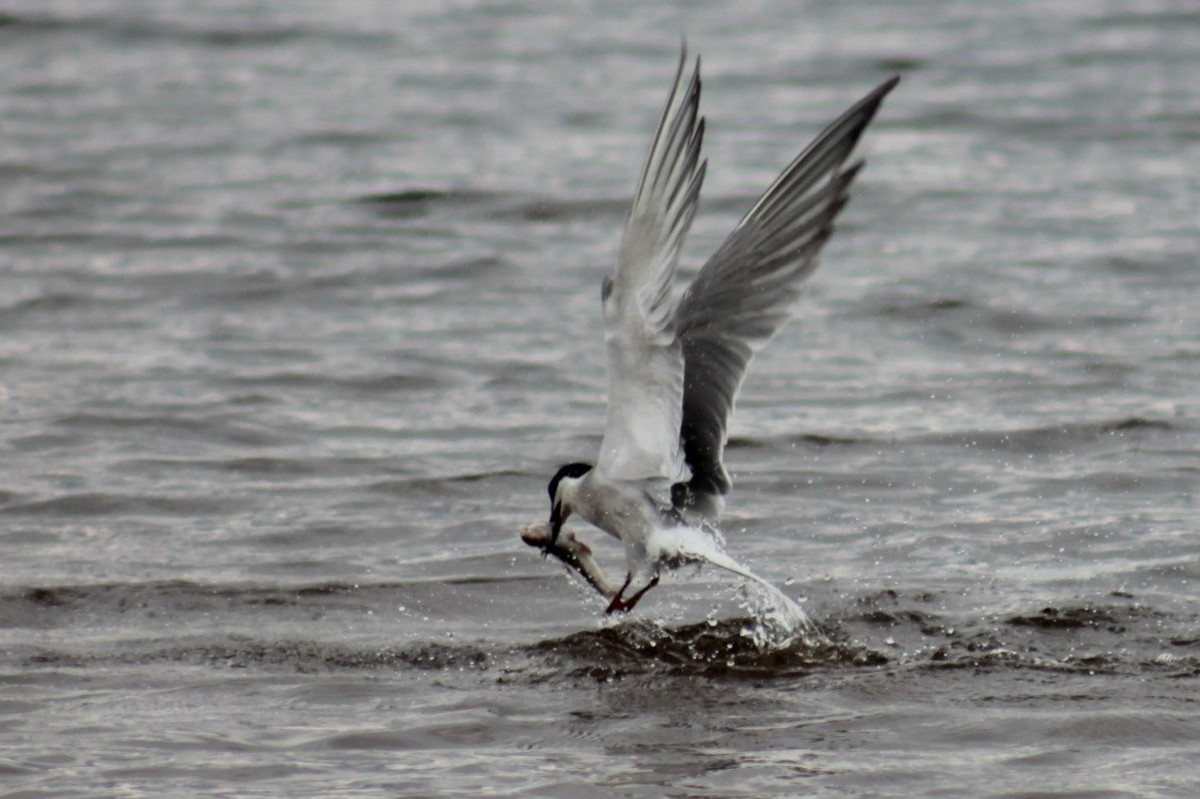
[562, 489]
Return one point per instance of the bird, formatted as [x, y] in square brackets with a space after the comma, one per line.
[676, 360]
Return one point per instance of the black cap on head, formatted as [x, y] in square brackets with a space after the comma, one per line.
[559, 514]
[575, 470]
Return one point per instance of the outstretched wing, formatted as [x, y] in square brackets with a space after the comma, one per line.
[645, 359]
[746, 291]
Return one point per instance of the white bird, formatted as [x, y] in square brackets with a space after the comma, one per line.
[675, 364]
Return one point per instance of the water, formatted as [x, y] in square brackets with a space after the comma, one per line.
[299, 312]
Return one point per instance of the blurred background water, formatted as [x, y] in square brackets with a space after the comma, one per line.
[299, 312]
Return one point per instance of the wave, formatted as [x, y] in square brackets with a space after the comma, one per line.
[965, 314]
[372, 383]
[104, 503]
[1067, 436]
[244, 652]
[420, 202]
[189, 427]
[885, 630]
[1058, 437]
[125, 29]
[718, 648]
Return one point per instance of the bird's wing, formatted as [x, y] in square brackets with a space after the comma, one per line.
[746, 291]
[645, 360]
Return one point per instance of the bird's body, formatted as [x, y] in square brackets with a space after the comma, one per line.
[630, 511]
[675, 363]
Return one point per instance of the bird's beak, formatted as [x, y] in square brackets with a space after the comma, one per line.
[557, 517]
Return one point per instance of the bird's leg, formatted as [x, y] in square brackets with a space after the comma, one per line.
[617, 603]
[633, 600]
[626, 605]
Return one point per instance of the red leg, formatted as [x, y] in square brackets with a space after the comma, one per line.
[633, 600]
[617, 603]
[626, 605]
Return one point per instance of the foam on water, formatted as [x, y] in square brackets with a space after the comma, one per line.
[779, 620]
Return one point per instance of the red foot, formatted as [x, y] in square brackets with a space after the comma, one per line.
[625, 605]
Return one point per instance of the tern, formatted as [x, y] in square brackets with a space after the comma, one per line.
[676, 361]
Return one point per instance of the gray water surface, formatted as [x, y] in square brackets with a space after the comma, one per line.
[299, 311]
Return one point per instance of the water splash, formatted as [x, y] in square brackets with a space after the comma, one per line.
[778, 621]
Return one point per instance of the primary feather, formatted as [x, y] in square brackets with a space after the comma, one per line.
[645, 358]
[747, 289]
[675, 367]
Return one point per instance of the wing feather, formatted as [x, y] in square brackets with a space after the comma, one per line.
[644, 356]
[747, 290]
